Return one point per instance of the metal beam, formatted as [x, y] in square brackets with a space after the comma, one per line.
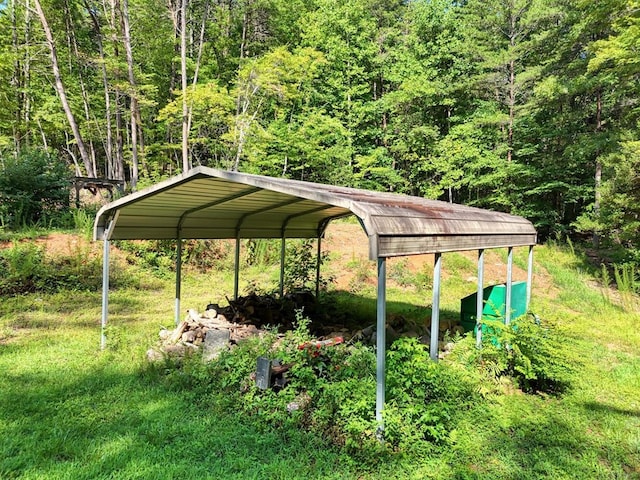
[106, 235]
[266, 209]
[219, 201]
[236, 269]
[507, 300]
[178, 279]
[283, 247]
[105, 293]
[318, 263]
[302, 214]
[480, 298]
[529, 276]
[381, 341]
[435, 307]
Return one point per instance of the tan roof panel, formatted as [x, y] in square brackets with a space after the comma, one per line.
[208, 203]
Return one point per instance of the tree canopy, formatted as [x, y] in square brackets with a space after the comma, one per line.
[525, 106]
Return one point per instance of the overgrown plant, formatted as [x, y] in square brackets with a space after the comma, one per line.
[424, 398]
[536, 356]
[301, 266]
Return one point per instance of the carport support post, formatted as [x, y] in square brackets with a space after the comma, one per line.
[480, 298]
[381, 331]
[318, 261]
[105, 291]
[435, 307]
[507, 299]
[236, 269]
[529, 275]
[282, 255]
[178, 279]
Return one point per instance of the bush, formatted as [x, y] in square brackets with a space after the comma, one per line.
[34, 187]
[301, 266]
[160, 255]
[424, 398]
[537, 357]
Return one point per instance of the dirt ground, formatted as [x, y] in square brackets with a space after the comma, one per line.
[347, 244]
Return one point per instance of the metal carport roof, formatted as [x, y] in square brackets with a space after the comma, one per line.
[208, 203]
[213, 204]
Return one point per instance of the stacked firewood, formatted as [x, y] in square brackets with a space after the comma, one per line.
[211, 331]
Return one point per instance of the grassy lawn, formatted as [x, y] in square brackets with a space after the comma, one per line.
[68, 410]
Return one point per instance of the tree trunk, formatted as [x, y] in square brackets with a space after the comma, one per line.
[73, 47]
[194, 81]
[598, 173]
[60, 89]
[110, 168]
[185, 107]
[118, 97]
[15, 78]
[133, 96]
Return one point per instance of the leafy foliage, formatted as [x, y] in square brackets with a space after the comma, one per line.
[34, 187]
[425, 398]
[538, 357]
[25, 268]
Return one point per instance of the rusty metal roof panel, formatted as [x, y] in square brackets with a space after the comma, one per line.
[208, 203]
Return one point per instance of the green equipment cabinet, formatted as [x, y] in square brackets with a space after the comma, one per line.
[493, 304]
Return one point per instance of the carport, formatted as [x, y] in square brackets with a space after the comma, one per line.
[214, 204]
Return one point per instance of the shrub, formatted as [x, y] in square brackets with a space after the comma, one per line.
[424, 398]
[300, 266]
[334, 390]
[34, 187]
[160, 255]
[536, 356]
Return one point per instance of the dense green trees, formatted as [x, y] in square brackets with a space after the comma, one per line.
[528, 106]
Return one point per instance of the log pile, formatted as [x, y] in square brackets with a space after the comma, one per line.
[210, 333]
[267, 310]
[219, 327]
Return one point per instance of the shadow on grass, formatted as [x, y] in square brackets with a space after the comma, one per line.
[604, 408]
[110, 424]
[358, 311]
[533, 446]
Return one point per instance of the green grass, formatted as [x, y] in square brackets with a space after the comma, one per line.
[68, 410]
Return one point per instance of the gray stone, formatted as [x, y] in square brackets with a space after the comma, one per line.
[215, 340]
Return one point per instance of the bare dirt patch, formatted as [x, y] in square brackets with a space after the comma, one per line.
[349, 247]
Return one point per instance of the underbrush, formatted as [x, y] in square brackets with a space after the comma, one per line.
[26, 268]
[329, 390]
[537, 357]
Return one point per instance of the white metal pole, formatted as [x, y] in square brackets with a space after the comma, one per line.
[236, 269]
[178, 279]
[105, 291]
[435, 307]
[318, 262]
[381, 331]
[529, 276]
[282, 255]
[507, 300]
[480, 298]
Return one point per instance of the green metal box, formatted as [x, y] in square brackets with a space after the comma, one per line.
[494, 304]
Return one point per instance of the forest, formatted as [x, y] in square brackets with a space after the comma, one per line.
[524, 106]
